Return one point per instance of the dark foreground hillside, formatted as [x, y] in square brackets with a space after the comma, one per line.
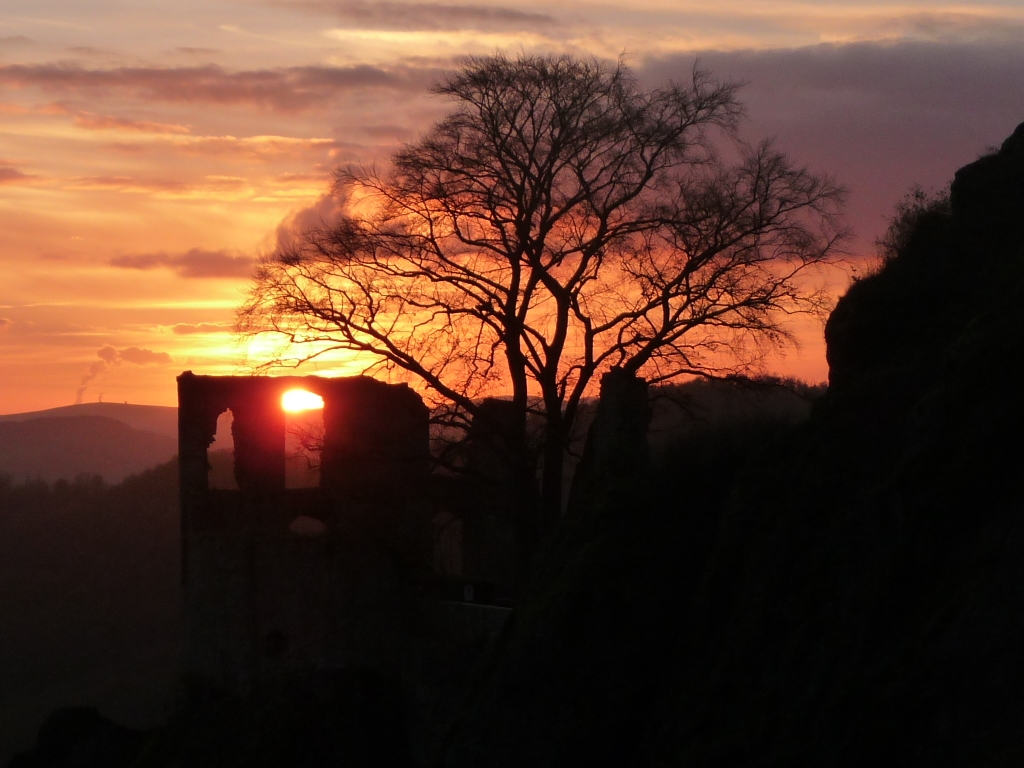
[89, 600]
[850, 592]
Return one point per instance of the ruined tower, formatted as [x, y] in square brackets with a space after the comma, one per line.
[277, 579]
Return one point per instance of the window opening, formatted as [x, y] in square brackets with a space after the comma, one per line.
[221, 455]
[304, 438]
[304, 525]
[447, 529]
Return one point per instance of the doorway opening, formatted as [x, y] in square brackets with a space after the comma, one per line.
[221, 455]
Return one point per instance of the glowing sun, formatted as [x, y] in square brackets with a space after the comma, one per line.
[295, 400]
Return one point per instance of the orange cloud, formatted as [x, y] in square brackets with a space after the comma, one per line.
[303, 178]
[54, 108]
[216, 187]
[190, 328]
[234, 149]
[253, 147]
[127, 184]
[134, 355]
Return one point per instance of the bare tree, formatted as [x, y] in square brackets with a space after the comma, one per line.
[559, 222]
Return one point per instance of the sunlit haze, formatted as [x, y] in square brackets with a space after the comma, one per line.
[296, 400]
[151, 151]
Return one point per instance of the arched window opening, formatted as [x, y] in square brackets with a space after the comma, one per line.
[307, 526]
[221, 455]
[447, 530]
[304, 438]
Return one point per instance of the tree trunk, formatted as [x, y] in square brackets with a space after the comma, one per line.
[554, 467]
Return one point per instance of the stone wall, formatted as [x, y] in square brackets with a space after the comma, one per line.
[281, 579]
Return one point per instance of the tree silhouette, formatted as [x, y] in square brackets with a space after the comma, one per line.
[916, 206]
[561, 221]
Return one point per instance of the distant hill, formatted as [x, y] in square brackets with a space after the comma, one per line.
[158, 419]
[53, 447]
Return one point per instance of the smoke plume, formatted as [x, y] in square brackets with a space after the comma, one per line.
[109, 357]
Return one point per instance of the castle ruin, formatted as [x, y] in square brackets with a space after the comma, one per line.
[344, 574]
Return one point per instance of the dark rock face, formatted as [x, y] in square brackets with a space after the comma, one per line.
[951, 267]
[988, 194]
[866, 597]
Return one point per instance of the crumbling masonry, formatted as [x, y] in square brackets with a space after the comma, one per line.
[263, 598]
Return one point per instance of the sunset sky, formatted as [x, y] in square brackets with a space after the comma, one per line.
[149, 150]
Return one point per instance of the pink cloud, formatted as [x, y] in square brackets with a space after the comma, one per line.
[143, 356]
[194, 263]
[11, 175]
[877, 117]
[107, 122]
[422, 15]
[324, 212]
[259, 148]
[289, 89]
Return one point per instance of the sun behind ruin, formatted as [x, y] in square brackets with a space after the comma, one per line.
[297, 400]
